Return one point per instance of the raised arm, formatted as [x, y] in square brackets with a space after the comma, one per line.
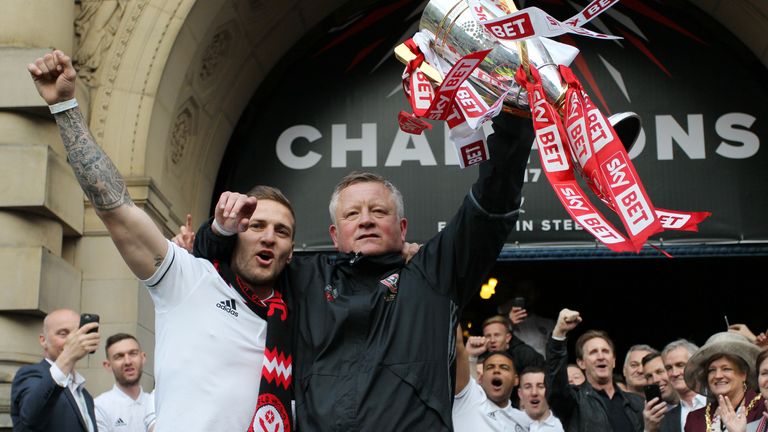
[136, 236]
[499, 186]
[464, 252]
[462, 363]
[560, 395]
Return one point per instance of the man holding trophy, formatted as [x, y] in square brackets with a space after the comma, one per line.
[374, 341]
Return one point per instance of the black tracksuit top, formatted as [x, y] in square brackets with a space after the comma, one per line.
[374, 338]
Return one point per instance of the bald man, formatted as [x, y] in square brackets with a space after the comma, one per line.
[51, 395]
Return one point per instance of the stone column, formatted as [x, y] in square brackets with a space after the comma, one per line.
[40, 201]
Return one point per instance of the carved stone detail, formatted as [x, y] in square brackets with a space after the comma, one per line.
[214, 54]
[95, 28]
[119, 44]
[182, 133]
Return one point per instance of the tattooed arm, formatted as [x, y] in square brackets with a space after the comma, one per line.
[136, 236]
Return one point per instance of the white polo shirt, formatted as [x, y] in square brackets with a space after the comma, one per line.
[549, 424]
[209, 348]
[118, 412]
[474, 412]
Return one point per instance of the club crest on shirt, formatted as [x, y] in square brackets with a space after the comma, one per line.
[390, 283]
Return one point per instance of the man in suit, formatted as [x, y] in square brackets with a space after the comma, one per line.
[675, 356]
[660, 415]
[51, 395]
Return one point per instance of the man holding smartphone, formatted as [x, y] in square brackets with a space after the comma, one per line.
[662, 404]
[51, 395]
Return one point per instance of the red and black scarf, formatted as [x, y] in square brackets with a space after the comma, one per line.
[273, 409]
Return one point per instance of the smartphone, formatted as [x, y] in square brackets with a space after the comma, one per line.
[89, 318]
[652, 391]
[519, 302]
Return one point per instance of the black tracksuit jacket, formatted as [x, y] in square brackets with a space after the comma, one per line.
[374, 338]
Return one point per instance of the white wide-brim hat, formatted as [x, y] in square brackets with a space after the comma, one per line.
[719, 344]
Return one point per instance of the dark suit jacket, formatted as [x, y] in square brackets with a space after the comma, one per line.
[39, 404]
[671, 420]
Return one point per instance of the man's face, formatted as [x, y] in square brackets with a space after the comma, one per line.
[655, 373]
[598, 361]
[533, 395]
[126, 361]
[498, 336]
[263, 250]
[367, 221]
[633, 369]
[675, 362]
[56, 328]
[498, 379]
[575, 375]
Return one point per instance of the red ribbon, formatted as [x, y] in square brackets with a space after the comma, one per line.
[584, 141]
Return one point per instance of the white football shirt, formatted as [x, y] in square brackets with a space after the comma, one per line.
[474, 412]
[118, 412]
[209, 348]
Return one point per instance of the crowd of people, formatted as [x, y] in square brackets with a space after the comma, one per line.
[250, 337]
[721, 386]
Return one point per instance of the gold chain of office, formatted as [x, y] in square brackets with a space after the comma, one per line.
[708, 415]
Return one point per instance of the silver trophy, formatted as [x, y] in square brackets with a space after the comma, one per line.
[453, 31]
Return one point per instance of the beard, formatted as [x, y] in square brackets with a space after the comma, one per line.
[254, 279]
[125, 382]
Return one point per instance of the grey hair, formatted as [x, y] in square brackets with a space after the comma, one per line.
[365, 177]
[641, 347]
[680, 343]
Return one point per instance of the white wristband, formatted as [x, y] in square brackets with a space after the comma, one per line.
[221, 230]
[63, 106]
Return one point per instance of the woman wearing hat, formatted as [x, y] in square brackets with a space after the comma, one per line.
[732, 420]
[723, 370]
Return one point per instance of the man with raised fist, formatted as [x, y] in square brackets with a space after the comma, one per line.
[598, 405]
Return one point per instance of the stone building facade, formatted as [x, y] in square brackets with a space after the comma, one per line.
[163, 83]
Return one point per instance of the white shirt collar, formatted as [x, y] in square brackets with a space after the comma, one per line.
[74, 380]
[123, 394]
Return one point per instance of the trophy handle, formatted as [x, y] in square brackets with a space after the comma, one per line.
[405, 56]
[627, 126]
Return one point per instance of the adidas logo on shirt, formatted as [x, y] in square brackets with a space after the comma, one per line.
[120, 422]
[228, 306]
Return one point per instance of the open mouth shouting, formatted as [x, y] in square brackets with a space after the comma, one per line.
[602, 367]
[265, 257]
[496, 384]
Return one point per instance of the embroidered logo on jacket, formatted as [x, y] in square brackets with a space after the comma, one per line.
[390, 282]
[331, 293]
